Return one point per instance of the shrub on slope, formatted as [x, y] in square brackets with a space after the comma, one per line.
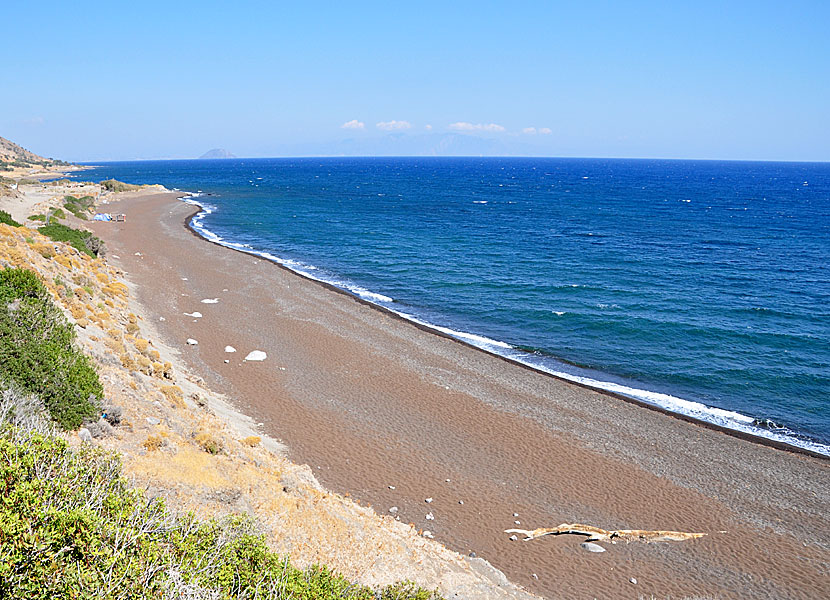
[80, 207]
[113, 185]
[37, 352]
[6, 219]
[71, 527]
[81, 240]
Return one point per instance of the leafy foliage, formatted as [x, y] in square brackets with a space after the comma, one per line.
[79, 239]
[79, 207]
[6, 219]
[71, 527]
[37, 352]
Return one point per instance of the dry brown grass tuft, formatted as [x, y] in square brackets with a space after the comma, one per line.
[209, 443]
[45, 250]
[252, 441]
[174, 395]
[153, 442]
[127, 361]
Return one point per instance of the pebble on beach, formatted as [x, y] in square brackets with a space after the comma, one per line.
[210, 301]
[256, 355]
[195, 314]
[230, 349]
[592, 547]
[430, 517]
[191, 342]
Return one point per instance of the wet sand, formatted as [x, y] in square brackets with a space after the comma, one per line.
[372, 402]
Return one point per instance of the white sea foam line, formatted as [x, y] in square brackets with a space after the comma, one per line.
[717, 416]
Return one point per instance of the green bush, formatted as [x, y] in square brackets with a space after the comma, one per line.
[37, 352]
[41, 218]
[113, 185]
[79, 207]
[6, 219]
[79, 239]
[71, 527]
[58, 214]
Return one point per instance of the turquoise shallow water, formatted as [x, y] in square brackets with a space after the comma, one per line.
[700, 286]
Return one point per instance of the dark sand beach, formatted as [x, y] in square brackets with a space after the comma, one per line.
[393, 414]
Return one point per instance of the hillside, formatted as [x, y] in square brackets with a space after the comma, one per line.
[11, 152]
[17, 164]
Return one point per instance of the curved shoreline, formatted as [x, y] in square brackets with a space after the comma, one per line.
[392, 414]
[743, 435]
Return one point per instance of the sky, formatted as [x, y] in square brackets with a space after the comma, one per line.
[94, 81]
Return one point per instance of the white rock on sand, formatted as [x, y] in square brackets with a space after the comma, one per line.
[230, 349]
[256, 355]
[210, 301]
[191, 342]
[195, 314]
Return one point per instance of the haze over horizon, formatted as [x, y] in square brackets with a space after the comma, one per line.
[94, 81]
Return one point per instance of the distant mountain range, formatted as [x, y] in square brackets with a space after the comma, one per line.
[217, 153]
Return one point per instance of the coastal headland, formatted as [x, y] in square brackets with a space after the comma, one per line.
[465, 444]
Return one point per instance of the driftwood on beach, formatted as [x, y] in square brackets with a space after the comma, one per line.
[597, 534]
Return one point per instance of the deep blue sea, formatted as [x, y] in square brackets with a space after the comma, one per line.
[701, 286]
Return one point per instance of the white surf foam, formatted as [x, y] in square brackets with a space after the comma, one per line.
[725, 418]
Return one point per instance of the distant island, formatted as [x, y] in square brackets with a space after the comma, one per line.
[217, 153]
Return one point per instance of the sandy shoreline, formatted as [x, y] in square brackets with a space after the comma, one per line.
[371, 401]
[743, 435]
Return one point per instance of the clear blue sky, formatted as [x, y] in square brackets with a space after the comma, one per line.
[102, 80]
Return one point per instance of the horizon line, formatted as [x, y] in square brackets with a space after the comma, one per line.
[436, 156]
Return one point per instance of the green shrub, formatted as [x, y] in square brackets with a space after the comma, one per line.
[114, 185]
[41, 218]
[6, 219]
[79, 239]
[37, 351]
[80, 207]
[71, 527]
[58, 214]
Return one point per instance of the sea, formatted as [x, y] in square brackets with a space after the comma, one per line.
[702, 287]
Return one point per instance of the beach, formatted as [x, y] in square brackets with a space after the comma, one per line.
[395, 415]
